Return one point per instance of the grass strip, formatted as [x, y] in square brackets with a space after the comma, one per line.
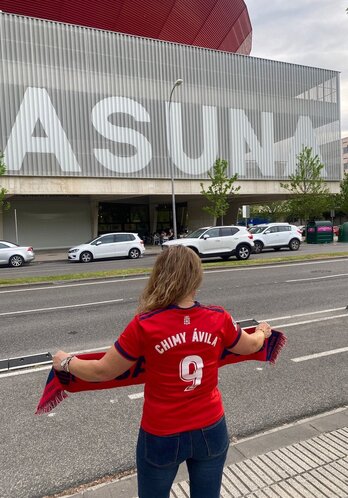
[145, 271]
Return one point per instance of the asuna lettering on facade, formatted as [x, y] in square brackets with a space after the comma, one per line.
[244, 144]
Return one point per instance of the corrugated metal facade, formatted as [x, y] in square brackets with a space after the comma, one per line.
[216, 24]
[82, 102]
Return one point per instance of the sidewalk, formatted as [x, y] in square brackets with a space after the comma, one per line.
[42, 255]
[305, 459]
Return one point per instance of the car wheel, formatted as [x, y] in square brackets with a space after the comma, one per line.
[294, 245]
[86, 257]
[243, 252]
[134, 253]
[16, 261]
[258, 247]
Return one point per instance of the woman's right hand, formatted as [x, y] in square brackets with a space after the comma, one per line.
[57, 359]
[265, 328]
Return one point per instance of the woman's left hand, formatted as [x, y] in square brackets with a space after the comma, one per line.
[58, 358]
[265, 328]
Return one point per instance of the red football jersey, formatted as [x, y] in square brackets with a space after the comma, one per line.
[181, 347]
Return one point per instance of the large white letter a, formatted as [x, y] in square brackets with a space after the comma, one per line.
[37, 106]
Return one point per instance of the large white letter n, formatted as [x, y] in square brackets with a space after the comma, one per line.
[37, 106]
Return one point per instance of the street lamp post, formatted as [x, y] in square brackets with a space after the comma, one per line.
[177, 83]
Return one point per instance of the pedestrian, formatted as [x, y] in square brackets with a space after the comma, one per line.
[163, 237]
[182, 341]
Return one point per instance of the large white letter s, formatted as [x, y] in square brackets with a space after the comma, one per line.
[100, 113]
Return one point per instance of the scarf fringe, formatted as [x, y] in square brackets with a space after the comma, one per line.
[51, 403]
[280, 343]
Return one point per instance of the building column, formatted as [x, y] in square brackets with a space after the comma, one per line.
[152, 217]
[1, 224]
[94, 218]
[231, 217]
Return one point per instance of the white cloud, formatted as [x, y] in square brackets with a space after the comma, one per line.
[308, 32]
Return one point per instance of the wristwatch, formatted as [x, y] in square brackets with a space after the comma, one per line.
[65, 362]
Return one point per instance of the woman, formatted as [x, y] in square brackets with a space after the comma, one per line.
[181, 340]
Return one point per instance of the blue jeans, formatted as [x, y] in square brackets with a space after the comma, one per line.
[159, 457]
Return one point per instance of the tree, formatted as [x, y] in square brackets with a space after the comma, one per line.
[310, 194]
[342, 197]
[3, 204]
[274, 211]
[220, 190]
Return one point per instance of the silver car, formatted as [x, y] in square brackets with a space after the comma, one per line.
[109, 245]
[14, 255]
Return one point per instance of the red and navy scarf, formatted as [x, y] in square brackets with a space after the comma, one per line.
[59, 383]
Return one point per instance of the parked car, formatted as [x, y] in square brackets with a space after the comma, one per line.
[302, 229]
[109, 245]
[14, 255]
[275, 236]
[222, 241]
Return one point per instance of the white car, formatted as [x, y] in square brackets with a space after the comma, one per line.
[14, 255]
[222, 241]
[109, 245]
[275, 236]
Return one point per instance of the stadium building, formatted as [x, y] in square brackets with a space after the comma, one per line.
[95, 132]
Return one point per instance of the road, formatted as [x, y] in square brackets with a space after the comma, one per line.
[91, 435]
[62, 266]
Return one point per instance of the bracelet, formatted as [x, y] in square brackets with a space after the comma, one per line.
[68, 361]
[65, 363]
[262, 330]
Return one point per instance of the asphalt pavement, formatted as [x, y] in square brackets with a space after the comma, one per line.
[335, 247]
[307, 458]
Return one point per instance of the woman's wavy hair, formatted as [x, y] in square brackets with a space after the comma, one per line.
[177, 272]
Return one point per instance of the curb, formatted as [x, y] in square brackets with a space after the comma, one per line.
[245, 449]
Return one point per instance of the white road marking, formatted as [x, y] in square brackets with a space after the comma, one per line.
[48, 367]
[279, 265]
[316, 278]
[24, 372]
[54, 287]
[207, 272]
[136, 395]
[319, 355]
[105, 348]
[287, 317]
[321, 319]
[20, 312]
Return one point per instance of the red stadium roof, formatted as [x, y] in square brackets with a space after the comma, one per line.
[216, 24]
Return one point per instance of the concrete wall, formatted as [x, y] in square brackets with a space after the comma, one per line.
[48, 223]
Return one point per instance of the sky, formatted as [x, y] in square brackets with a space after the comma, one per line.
[308, 32]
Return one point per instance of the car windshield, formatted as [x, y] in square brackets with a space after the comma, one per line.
[256, 229]
[92, 240]
[196, 234]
